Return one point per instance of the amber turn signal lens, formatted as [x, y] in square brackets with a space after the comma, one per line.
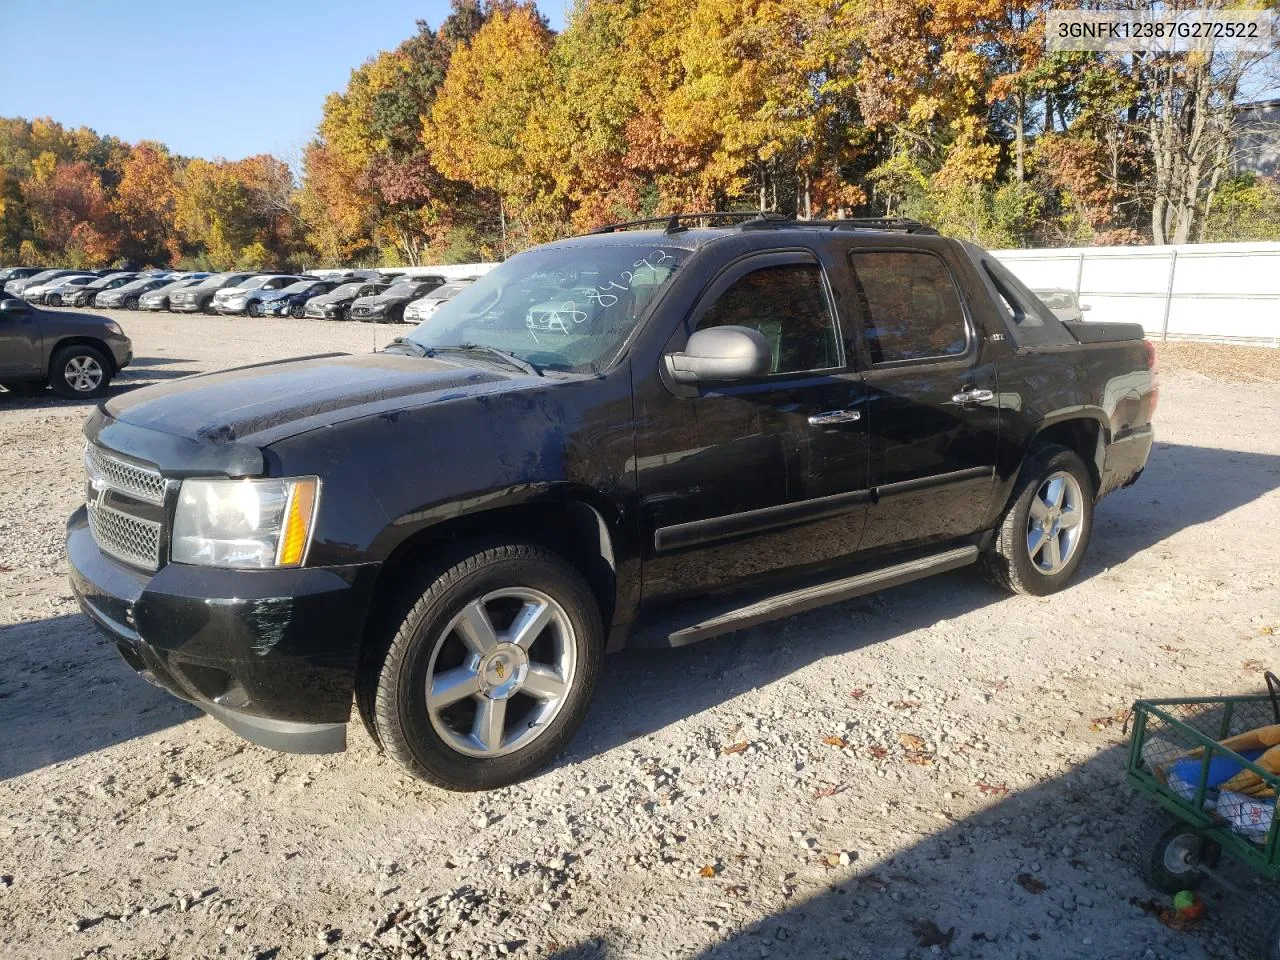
[297, 523]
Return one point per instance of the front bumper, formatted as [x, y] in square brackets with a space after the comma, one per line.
[272, 654]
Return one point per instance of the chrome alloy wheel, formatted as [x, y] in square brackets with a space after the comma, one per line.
[83, 373]
[500, 672]
[1055, 522]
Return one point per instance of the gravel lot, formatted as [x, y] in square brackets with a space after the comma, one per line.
[933, 770]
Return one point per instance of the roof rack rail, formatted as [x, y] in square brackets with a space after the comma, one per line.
[897, 224]
[674, 221]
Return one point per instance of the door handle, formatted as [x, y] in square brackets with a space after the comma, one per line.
[972, 395]
[834, 416]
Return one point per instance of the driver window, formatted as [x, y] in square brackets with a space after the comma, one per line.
[788, 305]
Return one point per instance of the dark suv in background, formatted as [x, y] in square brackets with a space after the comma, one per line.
[125, 296]
[388, 306]
[246, 297]
[336, 304]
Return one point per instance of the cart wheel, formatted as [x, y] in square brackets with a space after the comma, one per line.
[1172, 854]
[1267, 946]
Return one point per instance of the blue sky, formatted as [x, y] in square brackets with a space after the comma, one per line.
[226, 79]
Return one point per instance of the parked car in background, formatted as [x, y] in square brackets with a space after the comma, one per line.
[389, 305]
[15, 288]
[200, 297]
[83, 296]
[291, 301]
[126, 296]
[1063, 302]
[51, 291]
[158, 299]
[75, 353]
[247, 297]
[422, 308]
[17, 273]
[335, 304]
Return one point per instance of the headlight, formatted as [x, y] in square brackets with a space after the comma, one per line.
[115, 327]
[244, 523]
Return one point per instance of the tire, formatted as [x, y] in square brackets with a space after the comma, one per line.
[297, 311]
[130, 303]
[207, 308]
[449, 745]
[1164, 845]
[254, 309]
[80, 372]
[54, 300]
[1012, 561]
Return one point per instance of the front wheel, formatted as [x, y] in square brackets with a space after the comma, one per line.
[1042, 538]
[54, 300]
[490, 673]
[254, 309]
[131, 303]
[80, 372]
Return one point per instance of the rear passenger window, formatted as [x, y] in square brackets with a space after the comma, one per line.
[910, 306]
[788, 305]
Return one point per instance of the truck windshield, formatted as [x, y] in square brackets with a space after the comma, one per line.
[560, 308]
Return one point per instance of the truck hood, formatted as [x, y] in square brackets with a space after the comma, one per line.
[262, 404]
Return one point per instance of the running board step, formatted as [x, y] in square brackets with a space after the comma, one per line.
[819, 595]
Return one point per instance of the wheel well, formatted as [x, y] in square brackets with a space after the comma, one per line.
[571, 529]
[1084, 435]
[83, 342]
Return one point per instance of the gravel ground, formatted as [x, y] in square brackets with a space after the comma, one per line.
[935, 770]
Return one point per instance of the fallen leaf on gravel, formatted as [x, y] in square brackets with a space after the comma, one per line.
[910, 741]
[736, 748]
[736, 890]
[992, 789]
[1098, 724]
[1253, 666]
[830, 791]
[4, 569]
[834, 741]
[877, 751]
[1265, 631]
[905, 704]
[928, 934]
[857, 694]
[1169, 648]
[707, 871]
[1031, 884]
[918, 758]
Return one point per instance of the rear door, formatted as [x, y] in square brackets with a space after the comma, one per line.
[931, 399]
[756, 477]
[20, 347]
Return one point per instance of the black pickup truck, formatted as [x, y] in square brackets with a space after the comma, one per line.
[644, 436]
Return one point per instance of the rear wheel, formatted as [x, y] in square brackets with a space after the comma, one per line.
[490, 673]
[297, 311]
[130, 303]
[254, 309]
[80, 372]
[54, 300]
[1172, 854]
[1042, 538]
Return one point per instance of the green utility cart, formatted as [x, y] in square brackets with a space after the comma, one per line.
[1213, 798]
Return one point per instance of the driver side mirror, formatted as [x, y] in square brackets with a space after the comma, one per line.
[721, 353]
[12, 305]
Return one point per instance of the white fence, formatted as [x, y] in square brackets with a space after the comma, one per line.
[1206, 291]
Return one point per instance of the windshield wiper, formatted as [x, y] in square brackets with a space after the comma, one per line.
[510, 358]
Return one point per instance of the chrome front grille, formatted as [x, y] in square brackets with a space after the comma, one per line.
[126, 538]
[125, 503]
[139, 481]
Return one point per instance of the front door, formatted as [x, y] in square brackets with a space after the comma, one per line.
[931, 397]
[761, 476]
